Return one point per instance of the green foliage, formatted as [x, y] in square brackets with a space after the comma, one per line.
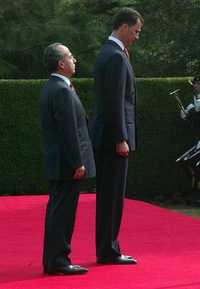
[162, 137]
[26, 28]
[168, 46]
[21, 144]
[191, 211]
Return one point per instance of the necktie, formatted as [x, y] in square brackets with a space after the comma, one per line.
[126, 52]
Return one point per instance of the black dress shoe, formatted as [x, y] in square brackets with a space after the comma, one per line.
[66, 270]
[121, 260]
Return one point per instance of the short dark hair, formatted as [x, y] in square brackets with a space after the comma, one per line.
[126, 16]
[52, 54]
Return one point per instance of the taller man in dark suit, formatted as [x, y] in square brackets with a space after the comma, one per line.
[113, 132]
[68, 157]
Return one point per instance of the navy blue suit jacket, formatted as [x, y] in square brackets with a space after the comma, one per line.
[65, 134]
[114, 117]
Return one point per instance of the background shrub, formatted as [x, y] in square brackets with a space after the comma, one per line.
[162, 137]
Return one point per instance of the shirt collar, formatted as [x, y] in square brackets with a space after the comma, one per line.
[116, 40]
[66, 79]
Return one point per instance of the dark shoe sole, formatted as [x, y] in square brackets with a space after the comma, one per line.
[71, 270]
[117, 261]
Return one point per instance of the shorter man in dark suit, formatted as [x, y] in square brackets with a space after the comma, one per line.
[68, 157]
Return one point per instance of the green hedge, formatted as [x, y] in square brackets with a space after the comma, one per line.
[162, 137]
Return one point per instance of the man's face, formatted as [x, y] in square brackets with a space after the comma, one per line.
[67, 64]
[132, 33]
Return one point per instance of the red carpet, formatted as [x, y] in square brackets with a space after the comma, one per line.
[167, 245]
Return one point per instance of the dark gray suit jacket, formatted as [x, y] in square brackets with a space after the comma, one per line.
[114, 117]
[65, 134]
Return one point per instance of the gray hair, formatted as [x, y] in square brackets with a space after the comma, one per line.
[52, 54]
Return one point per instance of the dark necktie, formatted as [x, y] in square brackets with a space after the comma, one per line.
[126, 52]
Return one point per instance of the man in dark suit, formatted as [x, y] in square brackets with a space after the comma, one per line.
[68, 157]
[113, 132]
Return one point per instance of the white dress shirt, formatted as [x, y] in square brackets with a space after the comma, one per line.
[66, 79]
[116, 40]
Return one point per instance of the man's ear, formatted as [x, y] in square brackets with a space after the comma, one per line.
[125, 26]
[60, 64]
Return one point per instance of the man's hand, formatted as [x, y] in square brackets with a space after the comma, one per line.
[122, 149]
[79, 173]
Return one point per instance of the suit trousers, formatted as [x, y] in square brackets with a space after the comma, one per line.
[110, 191]
[59, 222]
